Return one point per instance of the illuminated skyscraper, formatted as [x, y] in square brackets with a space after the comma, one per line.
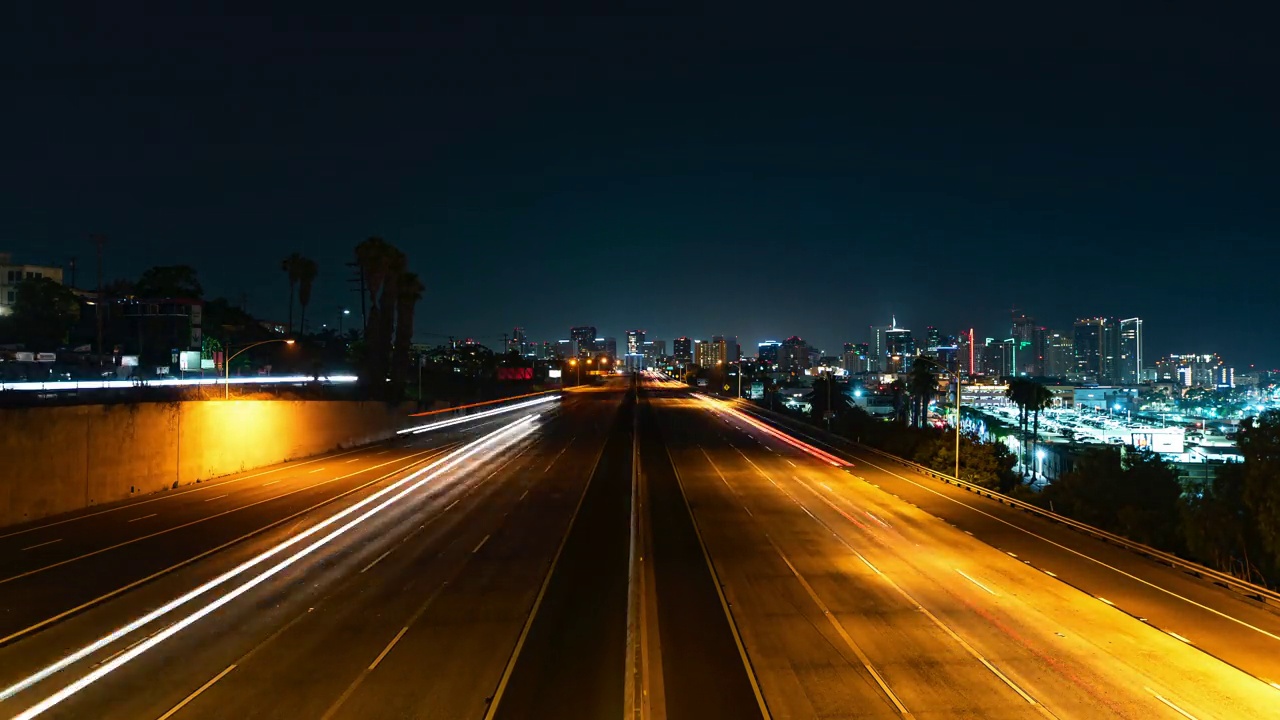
[682, 349]
[1130, 361]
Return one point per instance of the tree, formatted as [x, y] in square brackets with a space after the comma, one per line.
[826, 389]
[44, 311]
[382, 264]
[1216, 529]
[1039, 398]
[169, 281]
[307, 271]
[291, 266]
[1020, 392]
[409, 292]
[1259, 443]
[922, 383]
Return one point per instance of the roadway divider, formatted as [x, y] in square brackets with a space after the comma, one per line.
[1243, 587]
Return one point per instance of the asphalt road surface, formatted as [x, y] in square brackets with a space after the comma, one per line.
[627, 552]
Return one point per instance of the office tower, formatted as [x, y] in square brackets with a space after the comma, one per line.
[1130, 363]
[1059, 355]
[565, 349]
[900, 348]
[635, 341]
[683, 350]
[584, 339]
[1087, 345]
[767, 353]
[709, 353]
[932, 338]
[793, 355]
[966, 354]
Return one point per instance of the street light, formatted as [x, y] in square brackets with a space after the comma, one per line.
[575, 364]
[1040, 463]
[226, 385]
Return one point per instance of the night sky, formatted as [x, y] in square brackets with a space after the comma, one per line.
[689, 174]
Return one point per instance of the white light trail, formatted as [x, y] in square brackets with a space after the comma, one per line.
[62, 385]
[476, 416]
[440, 466]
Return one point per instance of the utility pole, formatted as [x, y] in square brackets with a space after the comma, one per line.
[357, 285]
[99, 241]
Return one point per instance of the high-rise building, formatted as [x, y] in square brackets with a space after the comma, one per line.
[966, 354]
[1130, 351]
[565, 348]
[1059, 355]
[900, 349]
[683, 350]
[767, 353]
[932, 339]
[879, 350]
[733, 351]
[659, 347]
[1027, 350]
[584, 339]
[607, 346]
[518, 344]
[709, 353]
[1087, 345]
[1204, 370]
[635, 341]
[856, 358]
[793, 355]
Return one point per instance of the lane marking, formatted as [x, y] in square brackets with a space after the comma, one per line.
[194, 695]
[33, 547]
[350, 461]
[377, 560]
[965, 575]
[390, 645]
[719, 586]
[144, 517]
[405, 487]
[273, 482]
[562, 451]
[1106, 601]
[164, 571]
[313, 472]
[1077, 553]
[919, 606]
[476, 549]
[217, 498]
[1050, 574]
[207, 518]
[505, 678]
[526, 492]
[1179, 637]
[1175, 708]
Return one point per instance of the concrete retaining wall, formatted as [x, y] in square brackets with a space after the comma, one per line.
[58, 459]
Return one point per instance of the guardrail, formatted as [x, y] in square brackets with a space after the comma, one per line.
[1243, 587]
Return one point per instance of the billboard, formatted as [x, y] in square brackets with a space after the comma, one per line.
[554, 373]
[515, 373]
[1161, 440]
[756, 392]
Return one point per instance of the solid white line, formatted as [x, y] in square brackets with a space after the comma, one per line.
[216, 498]
[33, 547]
[390, 645]
[193, 695]
[1175, 708]
[476, 549]
[144, 517]
[965, 575]
[377, 560]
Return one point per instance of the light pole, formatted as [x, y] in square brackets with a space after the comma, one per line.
[341, 317]
[226, 368]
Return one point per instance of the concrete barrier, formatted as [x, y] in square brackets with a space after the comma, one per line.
[58, 459]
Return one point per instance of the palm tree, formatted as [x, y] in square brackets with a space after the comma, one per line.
[382, 265]
[1019, 392]
[923, 386]
[409, 291]
[307, 270]
[1040, 398]
[292, 266]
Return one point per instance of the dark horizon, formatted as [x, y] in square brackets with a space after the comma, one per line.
[683, 174]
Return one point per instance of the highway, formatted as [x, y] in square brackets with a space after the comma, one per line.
[638, 552]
